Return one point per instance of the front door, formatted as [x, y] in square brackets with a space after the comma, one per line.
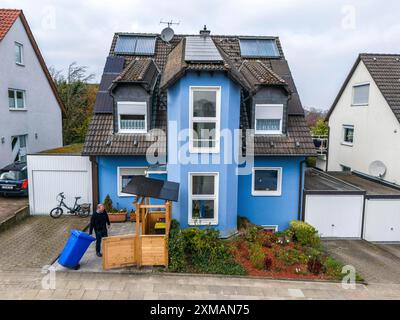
[18, 147]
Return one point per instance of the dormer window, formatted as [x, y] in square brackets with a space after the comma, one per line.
[132, 117]
[268, 118]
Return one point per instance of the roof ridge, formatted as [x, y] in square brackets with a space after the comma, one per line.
[379, 54]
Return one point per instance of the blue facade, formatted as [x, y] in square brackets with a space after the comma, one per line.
[108, 178]
[234, 191]
[273, 210]
[178, 115]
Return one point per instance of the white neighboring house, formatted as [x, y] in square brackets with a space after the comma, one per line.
[30, 108]
[364, 120]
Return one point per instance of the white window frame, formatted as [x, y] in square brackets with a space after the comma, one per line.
[119, 180]
[21, 47]
[270, 227]
[132, 103]
[15, 108]
[262, 105]
[215, 197]
[352, 94]
[258, 193]
[215, 120]
[344, 127]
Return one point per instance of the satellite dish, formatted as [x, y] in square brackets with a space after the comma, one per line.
[377, 169]
[167, 34]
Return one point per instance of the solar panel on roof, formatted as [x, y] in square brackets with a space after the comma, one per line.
[114, 64]
[200, 49]
[259, 48]
[140, 45]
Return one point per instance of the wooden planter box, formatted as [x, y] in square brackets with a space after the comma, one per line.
[117, 217]
[133, 217]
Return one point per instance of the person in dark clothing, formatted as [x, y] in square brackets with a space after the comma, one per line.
[99, 222]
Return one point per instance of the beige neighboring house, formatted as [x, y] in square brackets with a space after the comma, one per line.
[364, 120]
[30, 108]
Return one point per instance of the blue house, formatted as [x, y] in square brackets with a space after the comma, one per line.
[218, 114]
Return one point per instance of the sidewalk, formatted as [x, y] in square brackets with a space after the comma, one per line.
[27, 285]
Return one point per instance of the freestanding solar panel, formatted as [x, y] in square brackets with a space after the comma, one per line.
[140, 45]
[258, 48]
[154, 188]
[201, 49]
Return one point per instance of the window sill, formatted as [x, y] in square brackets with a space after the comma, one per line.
[347, 144]
[360, 105]
[203, 151]
[202, 222]
[268, 133]
[18, 109]
[266, 194]
[133, 132]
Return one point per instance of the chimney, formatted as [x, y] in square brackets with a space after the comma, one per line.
[205, 32]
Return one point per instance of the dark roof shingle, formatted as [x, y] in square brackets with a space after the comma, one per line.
[169, 59]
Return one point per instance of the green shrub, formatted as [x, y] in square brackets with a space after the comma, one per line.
[252, 234]
[257, 255]
[108, 204]
[201, 251]
[291, 257]
[333, 268]
[176, 247]
[305, 234]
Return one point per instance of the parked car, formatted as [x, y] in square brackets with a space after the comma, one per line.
[14, 180]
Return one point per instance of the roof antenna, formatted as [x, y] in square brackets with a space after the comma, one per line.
[168, 33]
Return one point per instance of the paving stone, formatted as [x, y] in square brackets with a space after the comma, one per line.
[36, 241]
[44, 294]
[75, 294]
[120, 295]
[105, 295]
[90, 294]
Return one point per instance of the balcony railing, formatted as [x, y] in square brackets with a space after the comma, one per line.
[321, 144]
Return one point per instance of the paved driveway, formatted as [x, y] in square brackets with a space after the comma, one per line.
[8, 206]
[36, 241]
[377, 263]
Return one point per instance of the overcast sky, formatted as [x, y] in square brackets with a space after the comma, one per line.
[321, 39]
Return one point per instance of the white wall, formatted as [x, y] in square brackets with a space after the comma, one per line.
[43, 114]
[48, 175]
[376, 131]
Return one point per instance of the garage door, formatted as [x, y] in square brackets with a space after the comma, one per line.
[382, 220]
[337, 216]
[48, 184]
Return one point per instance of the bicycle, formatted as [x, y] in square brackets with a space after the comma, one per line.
[81, 210]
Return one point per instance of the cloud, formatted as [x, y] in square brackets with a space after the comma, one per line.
[321, 39]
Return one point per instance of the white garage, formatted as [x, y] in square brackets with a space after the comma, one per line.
[352, 205]
[48, 175]
[382, 220]
[333, 207]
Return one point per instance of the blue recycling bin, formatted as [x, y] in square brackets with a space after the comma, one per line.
[75, 248]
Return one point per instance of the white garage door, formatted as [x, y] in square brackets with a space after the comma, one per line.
[337, 216]
[382, 220]
[48, 184]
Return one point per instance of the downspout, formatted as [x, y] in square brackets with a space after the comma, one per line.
[299, 214]
[327, 148]
[95, 181]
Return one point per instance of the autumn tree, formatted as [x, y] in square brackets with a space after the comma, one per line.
[78, 96]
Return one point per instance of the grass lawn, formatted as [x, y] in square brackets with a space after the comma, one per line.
[70, 149]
